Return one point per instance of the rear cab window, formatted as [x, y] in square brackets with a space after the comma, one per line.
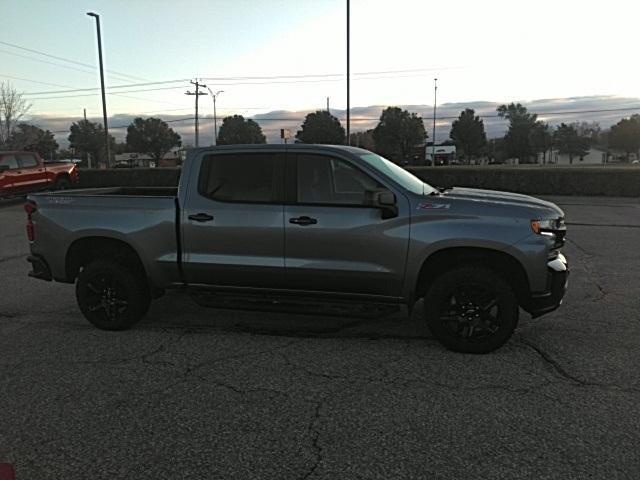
[10, 161]
[243, 177]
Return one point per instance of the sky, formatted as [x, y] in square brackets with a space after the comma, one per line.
[272, 56]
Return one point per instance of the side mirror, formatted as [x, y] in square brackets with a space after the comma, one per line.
[4, 168]
[385, 200]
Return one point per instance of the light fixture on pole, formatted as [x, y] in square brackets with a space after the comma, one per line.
[215, 116]
[104, 98]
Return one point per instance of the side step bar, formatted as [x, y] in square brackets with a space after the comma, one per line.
[309, 305]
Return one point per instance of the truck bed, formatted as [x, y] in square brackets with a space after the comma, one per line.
[143, 218]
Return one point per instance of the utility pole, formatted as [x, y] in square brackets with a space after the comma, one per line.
[104, 98]
[328, 110]
[348, 78]
[84, 111]
[197, 94]
[433, 138]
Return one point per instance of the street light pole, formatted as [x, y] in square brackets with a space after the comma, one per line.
[215, 115]
[433, 138]
[348, 77]
[104, 98]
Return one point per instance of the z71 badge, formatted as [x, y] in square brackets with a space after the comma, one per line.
[434, 206]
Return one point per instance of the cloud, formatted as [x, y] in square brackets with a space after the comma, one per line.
[606, 110]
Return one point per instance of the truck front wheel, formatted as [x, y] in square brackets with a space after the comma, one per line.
[62, 183]
[112, 296]
[471, 310]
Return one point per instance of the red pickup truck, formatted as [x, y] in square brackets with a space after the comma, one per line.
[24, 172]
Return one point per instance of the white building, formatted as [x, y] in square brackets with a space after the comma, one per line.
[594, 156]
[444, 154]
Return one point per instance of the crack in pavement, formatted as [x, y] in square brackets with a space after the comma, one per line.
[105, 361]
[314, 434]
[390, 379]
[587, 267]
[241, 391]
[548, 359]
[13, 257]
[191, 371]
[563, 373]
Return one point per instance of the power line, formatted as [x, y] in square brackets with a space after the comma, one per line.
[90, 89]
[45, 54]
[219, 84]
[35, 81]
[310, 78]
[314, 75]
[127, 126]
[108, 93]
[69, 67]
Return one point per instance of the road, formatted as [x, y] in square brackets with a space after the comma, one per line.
[197, 393]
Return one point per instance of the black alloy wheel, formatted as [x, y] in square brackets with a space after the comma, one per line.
[471, 309]
[62, 184]
[112, 296]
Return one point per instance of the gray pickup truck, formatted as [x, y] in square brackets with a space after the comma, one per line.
[306, 228]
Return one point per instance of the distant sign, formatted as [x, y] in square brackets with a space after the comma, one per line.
[285, 133]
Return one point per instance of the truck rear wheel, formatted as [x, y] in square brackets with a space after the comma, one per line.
[112, 296]
[471, 310]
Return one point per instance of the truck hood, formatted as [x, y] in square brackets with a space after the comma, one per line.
[507, 198]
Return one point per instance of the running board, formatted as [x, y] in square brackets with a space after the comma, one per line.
[294, 304]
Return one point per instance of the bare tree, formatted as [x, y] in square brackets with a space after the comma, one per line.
[12, 108]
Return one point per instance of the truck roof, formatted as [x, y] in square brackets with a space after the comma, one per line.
[283, 147]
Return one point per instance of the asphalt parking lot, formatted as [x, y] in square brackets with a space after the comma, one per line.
[197, 393]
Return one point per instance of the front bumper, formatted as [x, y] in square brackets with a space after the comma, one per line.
[39, 268]
[557, 282]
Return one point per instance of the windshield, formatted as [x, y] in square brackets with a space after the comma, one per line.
[398, 174]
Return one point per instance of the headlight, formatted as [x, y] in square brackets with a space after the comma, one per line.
[544, 227]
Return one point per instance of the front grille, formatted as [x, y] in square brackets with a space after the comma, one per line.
[560, 234]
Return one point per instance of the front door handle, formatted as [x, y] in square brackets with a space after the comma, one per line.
[201, 217]
[303, 221]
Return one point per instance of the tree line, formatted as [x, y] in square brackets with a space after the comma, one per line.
[399, 135]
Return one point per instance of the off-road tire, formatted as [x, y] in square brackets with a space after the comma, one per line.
[112, 296]
[474, 286]
[62, 183]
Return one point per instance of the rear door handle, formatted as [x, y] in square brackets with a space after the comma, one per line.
[303, 221]
[201, 217]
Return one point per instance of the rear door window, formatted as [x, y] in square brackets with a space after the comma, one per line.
[243, 177]
[27, 160]
[10, 161]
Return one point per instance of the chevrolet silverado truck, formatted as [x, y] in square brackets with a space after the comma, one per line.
[25, 172]
[306, 228]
